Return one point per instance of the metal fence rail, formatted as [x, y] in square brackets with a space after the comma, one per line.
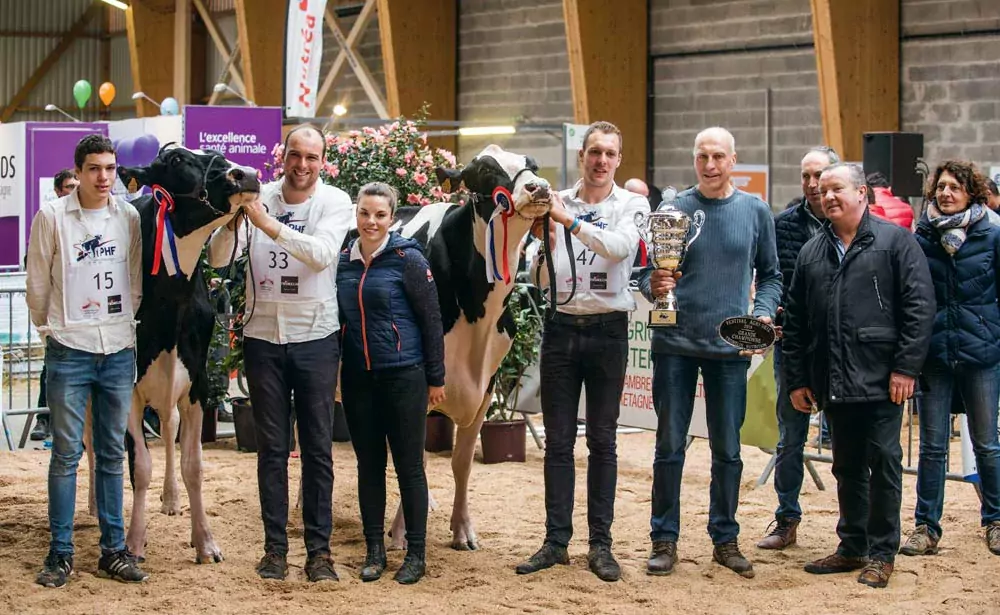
[22, 355]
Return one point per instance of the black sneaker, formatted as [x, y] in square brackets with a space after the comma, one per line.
[41, 430]
[272, 566]
[546, 557]
[603, 564]
[320, 568]
[121, 566]
[56, 571]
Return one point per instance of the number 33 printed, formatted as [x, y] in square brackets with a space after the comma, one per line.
[276, 257]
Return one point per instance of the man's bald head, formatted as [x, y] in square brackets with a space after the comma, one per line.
[717, 134]
[637, 186]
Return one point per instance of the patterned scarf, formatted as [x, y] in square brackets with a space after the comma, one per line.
[953, 227]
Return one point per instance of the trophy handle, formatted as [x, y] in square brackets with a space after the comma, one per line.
[640, 220]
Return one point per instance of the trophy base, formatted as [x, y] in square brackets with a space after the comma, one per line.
[662, 318]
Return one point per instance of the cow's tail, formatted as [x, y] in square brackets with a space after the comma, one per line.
[550, 266]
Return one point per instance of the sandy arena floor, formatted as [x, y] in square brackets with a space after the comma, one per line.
[508, 504]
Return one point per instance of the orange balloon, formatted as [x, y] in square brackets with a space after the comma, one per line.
[107, 92]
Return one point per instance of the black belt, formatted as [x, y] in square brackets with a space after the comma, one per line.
[589, 320]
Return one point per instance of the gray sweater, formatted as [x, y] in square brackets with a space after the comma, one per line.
[729, 238]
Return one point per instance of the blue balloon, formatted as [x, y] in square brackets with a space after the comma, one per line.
[145, 149]
[169, 106]
[126, 152]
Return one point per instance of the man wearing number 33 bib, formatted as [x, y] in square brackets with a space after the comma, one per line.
[84, 284]
[291, 343]
[585, 344]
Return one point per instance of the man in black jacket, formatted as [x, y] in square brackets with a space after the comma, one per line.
[858, 324]
[800, 222]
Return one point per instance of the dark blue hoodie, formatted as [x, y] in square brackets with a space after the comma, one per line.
[389, 311]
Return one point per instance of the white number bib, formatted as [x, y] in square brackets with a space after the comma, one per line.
[594, 273]
[96, 283]
[279, 276]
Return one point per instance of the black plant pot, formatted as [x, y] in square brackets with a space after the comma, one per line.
[440, 433]
[246, 439]
[503, 441]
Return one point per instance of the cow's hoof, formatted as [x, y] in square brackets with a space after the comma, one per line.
[210, 558]
[467, 545]
[397, 542]
[170, 510]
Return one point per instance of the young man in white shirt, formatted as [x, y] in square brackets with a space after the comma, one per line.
[585, 344]
[84, 285]
[290, 343]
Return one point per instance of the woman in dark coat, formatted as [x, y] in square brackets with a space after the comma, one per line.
[963, 252]
[393, 370]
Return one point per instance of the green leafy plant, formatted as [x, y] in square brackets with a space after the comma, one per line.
[523, 354]
[218, 357]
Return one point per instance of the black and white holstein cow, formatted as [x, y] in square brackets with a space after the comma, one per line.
[474, 267]
[194, 193]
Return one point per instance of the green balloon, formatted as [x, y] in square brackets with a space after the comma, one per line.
[81, 92]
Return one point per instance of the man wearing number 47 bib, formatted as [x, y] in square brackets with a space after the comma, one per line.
[731, 236]
[84, 285]
[291, 343]
[586, 344]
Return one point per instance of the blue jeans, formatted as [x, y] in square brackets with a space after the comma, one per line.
[675, 379]
[73, 376]
[979, 390]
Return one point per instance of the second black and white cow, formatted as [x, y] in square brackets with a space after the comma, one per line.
[194, 193]
[473, 251]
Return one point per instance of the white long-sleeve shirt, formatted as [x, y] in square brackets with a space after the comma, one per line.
[328, 215]
[47, 254]
[607, 229]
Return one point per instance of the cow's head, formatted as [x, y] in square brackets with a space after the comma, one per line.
[204, 185]
[495, 167]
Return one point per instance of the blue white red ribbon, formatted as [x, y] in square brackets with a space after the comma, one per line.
[498, 270]
[165, 251]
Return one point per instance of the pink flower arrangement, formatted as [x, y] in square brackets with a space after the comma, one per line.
[395, 153]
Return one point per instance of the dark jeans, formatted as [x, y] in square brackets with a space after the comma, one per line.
[274, 372]
[675, 379]
[868, 466]
[793, 430]
[592, 356]
[979, 389]
[389, 404]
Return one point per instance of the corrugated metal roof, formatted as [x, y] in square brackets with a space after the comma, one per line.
[46, 15]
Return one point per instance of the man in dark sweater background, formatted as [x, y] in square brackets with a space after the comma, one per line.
[800, 221]
[732, 234]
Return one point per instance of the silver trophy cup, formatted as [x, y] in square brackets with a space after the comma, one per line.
[665, 232]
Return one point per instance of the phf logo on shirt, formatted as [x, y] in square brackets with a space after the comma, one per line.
[95, 248]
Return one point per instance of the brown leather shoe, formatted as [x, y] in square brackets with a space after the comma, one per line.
[662, 559]
[783, 534]
[876, 574]
[832, 564]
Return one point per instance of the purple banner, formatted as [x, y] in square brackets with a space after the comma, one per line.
[49, 148]
[244, 135]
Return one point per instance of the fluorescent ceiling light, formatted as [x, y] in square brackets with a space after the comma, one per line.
[479, 131]
[117, 4]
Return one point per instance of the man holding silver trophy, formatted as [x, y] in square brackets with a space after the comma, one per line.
[718, 236]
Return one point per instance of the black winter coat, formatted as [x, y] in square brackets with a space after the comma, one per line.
[967, 323]
[850, 324]
[792, 229]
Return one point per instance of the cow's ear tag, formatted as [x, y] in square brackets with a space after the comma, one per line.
[133, 186]
[446, 185]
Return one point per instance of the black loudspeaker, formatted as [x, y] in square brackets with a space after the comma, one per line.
[895, 154]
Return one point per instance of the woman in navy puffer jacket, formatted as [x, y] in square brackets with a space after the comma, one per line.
[963, 251]
[393, 369]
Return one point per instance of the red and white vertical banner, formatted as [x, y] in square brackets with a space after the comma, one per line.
[303, 53]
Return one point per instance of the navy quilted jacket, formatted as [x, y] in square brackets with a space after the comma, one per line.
[792, 229]
[967, 321]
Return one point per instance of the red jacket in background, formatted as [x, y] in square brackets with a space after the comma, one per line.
[892, 208]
